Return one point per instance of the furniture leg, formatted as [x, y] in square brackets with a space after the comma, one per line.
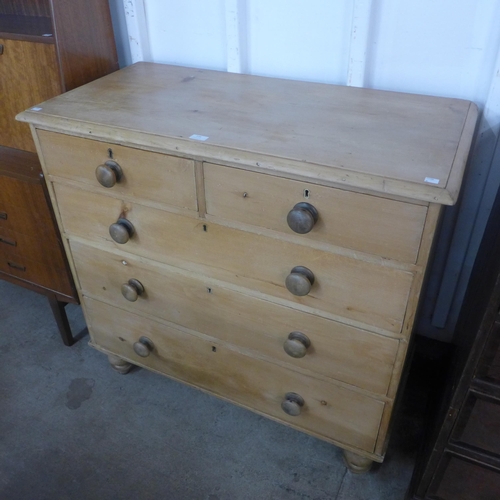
[356, 463]
[61, 320]
[120, 365]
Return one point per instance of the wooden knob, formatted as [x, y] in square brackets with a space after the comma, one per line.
[132, 289]
[121, 231]
[302, 217]
[109, 174]
[143, 347]
[292, 404]
[299, 281]
[296, 344]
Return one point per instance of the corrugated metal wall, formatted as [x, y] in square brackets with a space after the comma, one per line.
[447, 48]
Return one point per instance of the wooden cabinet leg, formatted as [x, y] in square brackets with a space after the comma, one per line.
[61, 320]
[119, 364]
[356, 463]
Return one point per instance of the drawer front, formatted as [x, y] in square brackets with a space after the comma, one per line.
[329, 411]
[380, 226]
[338, 351]
[47, 272]
[354, 289]
[23, 207]
[156, 177]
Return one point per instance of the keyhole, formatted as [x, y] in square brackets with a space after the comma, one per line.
[214, 349]
[110, 153]
[205, 228]
[307, 193]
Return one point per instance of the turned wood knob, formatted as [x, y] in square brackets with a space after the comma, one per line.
[296, 344]
[121, 231]
[302, 217]
[132, 289]
[109, 174]
[299, 281]
[143, 347]
[292, 404]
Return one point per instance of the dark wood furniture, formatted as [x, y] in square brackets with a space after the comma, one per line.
[461, 458]
[46, 47]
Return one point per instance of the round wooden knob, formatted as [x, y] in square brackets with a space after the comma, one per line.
[109, 174]
[292, 404]
[143, 347]
[296, 344]
[302, 217]
[132, 289]
[299, 281]
[121, 231]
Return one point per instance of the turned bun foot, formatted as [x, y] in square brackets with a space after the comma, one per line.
[356, 463]
[119, 364]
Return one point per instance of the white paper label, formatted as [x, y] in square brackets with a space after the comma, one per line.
[36, 109]
[197, 137]
[431, 180]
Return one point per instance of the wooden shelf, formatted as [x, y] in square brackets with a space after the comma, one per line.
[21, 164]
[29, 28]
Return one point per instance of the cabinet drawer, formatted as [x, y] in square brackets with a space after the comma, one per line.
[338, 351]
[371, 224]
[362, 291]
[23, 207]
[156, 177]
[329, 411]
[46, 272]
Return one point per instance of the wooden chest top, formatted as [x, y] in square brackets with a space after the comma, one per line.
[398, 144]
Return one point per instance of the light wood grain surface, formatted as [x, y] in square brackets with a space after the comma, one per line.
[359, 137]
[350, 288]
[330, 411]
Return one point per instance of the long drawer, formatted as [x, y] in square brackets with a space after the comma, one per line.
[338, 351]
[371, 224]
[329, 411]
[157, 177]
[350, 288]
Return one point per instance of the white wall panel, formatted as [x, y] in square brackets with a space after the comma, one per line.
[305, 40]
[187, 32]
[445, 47]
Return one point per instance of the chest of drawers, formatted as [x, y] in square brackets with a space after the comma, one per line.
[260, 239]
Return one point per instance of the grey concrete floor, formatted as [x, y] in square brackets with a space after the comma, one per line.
[72, 428]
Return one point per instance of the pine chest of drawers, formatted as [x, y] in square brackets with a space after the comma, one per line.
[261, 239]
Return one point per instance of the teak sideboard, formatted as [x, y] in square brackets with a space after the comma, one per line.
[261, 239]
[46, 47]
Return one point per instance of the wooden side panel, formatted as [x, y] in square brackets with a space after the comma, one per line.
[337, 351]
[85, 41]
[331, 412]
[28, 76]
[371, 224]
[354, 289]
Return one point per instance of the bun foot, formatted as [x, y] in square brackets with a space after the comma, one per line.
[356, 463]
[119, 364]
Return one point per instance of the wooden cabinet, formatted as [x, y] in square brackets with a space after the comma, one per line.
[461, 458]
[263, 240]
[46, 47]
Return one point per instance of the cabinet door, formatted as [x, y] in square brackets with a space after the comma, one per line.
[28, 75]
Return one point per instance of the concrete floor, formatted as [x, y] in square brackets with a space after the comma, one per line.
[72, 428]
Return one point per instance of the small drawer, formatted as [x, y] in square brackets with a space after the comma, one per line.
[329, 411]
[365, 292]
[335, 350]
[155, 177]
[361, 222]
